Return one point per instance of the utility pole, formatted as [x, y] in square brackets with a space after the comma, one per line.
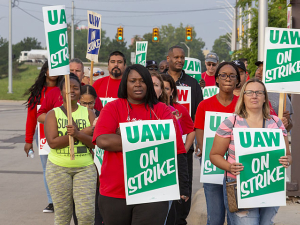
[262, 23]
[234, 28]
[249, 24]
[240, 28]
[10, 91]
[72, 32]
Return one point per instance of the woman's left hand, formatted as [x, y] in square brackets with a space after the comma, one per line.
[284, 161]
[72, 131]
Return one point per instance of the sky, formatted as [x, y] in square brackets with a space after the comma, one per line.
[207, 16]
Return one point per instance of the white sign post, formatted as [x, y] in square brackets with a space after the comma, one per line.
[262, 181]
[209, 172]
[150, 161]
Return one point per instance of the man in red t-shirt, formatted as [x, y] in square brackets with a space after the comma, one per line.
[54, 98]
[107, 87]
[211, 63]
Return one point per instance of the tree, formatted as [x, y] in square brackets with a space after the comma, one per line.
[3, 56]
[26, 44]
[222, 48]
[170, 36]
[276, 18]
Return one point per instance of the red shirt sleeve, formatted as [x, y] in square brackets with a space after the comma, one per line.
[98, 104]
[167, 114]
[200, 116]
[30, 124]
[186, 121]
[49, 101]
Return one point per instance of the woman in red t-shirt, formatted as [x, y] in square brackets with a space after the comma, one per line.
[227, 78]
[37, 92]
[137, 101]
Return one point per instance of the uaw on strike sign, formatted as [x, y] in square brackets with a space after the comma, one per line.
[55, 23]
[282, 60]
[94, 36]
[262, 181]
[209, 172]
[150, 161]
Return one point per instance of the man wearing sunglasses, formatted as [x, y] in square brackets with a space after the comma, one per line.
[211, 63]
[151, 65]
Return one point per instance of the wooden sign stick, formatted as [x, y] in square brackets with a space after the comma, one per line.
[69, 114]
[91, 73]
[281, 106]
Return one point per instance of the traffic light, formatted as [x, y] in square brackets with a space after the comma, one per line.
[155, 35]
[120, 34]
[188, 34]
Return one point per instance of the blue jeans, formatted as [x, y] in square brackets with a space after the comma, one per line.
[254, 216]
[215, 204]
[44, 163]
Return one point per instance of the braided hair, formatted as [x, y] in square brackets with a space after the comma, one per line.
[35, 91]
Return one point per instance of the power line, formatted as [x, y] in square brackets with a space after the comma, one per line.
[129, 11]
[28, 13]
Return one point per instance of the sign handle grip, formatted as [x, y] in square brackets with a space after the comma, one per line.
[280, 109]
[69, 114]
[91, 73]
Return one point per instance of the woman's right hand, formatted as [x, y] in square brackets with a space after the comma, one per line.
[235, 168]
[27, 147]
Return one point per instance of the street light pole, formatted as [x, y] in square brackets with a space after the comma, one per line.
[72, 32]
[10, 48]
[262, 23]
[188, 48]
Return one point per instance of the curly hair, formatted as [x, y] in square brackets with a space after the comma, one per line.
[35, 91]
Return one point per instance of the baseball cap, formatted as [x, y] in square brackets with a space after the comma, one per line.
[212, 57]
[150, 63]
[257, 63]
[240, 64]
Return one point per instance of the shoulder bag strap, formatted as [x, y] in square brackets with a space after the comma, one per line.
[227, 151]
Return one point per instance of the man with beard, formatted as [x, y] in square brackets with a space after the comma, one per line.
[176, 59]
[107, 87]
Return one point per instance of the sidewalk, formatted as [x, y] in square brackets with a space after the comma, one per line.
[287, 215]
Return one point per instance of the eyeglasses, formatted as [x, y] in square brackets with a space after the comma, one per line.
[211, 64]
[257, 93]
[224, 76]
[87, 103]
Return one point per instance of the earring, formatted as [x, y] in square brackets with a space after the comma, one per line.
[45, 74]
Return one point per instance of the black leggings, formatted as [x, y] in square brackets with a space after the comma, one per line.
[115, 212]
